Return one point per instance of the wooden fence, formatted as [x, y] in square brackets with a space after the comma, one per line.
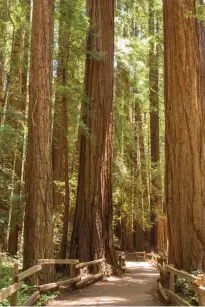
[74, 281]
[168, 275]
[136, 255]
[167, 280]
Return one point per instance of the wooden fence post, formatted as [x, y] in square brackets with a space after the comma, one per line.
[73, 274]
[36, 277]
[102, 267]
[171, 281]
[162, 260]
[73, 271]
[14, 295]
[201, 299]
[95, 268]
[201, 294]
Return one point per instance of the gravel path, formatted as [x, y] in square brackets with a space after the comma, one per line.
[138, 287]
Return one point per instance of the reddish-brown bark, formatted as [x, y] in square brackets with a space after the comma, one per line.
[185, 134]
[92, 232]
[60, 131]
[38, 226]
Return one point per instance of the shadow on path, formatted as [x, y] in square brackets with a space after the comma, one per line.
[138, 287]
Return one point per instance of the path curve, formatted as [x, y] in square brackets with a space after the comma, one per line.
[138, 287]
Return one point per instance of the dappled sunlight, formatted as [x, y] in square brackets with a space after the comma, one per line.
[138, 264]
[146, 272]
[112, 278]
[137, 287]
[91, 301]
[126, 283]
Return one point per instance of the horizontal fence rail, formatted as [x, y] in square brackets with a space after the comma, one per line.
[166, 282]
[5, 292]
[84, 264]
[75, 281]
[28, 273]
[57, 261]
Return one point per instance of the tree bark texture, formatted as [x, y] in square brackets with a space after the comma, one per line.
[127, 241]
[38, 232]
[60, 130]
[185, 134]
[142, 174]
[92, 233]
[2, 63]
[154, 122]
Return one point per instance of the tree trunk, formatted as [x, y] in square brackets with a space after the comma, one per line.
[60, 130]
[18, 93]
[127, 240]
[154, 123]
[2, 63]
[143, 220]
[185, 134]
[139, 238]
[92, 232]
[38, 224]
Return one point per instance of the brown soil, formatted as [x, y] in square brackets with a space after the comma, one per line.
[138, 287]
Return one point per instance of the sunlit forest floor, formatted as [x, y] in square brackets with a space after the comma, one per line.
[138, 287]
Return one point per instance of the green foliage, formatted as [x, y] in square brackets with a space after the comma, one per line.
[45, 297]
[95, 55]
[6, 279]
[58, 226]
[131, 172]
[185, 288]
[6, 272]
[9, 139]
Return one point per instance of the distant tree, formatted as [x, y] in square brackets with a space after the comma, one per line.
[60, 127]
[2, 62]
[18, 91]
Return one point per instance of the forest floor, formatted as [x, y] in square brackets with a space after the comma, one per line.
[137, 287]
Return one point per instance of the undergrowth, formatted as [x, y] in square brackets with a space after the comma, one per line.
[184, 288]
[6, 279]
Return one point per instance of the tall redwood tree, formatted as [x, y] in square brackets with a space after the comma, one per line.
[60, 128]
[185, 134]
[92, 231]
[38, 233]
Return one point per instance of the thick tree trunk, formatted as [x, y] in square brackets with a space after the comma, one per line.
[60, 130]
[185, 134]
[92, 232]
[38, 224]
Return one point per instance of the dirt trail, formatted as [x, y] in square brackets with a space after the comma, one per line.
[138, 287]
